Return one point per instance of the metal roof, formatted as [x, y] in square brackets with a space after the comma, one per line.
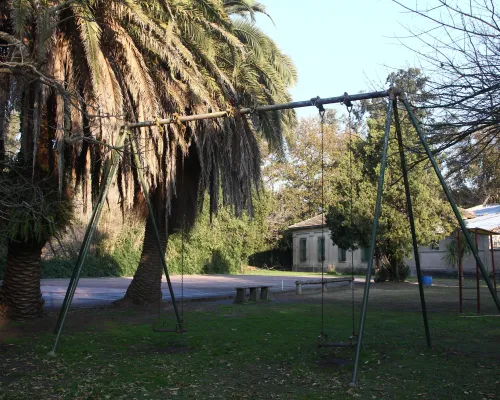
[487, 219]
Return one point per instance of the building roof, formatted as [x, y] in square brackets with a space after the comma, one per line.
[483, 210]
[466, 213]
[318, 220]
[487, 219]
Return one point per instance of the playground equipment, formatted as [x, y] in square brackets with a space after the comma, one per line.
[461, 281]
[394, 96]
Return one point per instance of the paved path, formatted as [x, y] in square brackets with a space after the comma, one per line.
[102, 291]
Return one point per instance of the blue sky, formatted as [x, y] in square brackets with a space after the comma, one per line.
[339, 46]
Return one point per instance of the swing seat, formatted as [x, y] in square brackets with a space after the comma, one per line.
[323, 342]
[179, 328]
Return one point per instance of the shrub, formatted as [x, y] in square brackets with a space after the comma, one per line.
[382, 274]
[94, 267]
[403, 271]
[451, 255]
[273, 258]
[396, 271]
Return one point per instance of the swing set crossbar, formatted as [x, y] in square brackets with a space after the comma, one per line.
[315, 101]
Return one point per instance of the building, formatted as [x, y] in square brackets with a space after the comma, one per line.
[308, 247]
[481, 220]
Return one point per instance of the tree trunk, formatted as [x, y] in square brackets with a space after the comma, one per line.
[4, 99]
[20, 295]
[145, 288]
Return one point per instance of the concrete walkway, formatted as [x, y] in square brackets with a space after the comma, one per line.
[103, 291]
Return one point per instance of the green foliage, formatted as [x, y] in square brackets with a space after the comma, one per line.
[477, 180]
[32, 209]
[94, 267]
[451, 255]
[381, 275]
[395, 270]
[126, 249]
[345, 233]
[222, 246]
[296, 181]
[433, 217]
[272, 258]
[119, 258]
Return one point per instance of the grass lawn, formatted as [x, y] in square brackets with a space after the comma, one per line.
[260, 351]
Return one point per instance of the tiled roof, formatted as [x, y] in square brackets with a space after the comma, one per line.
[318, 220]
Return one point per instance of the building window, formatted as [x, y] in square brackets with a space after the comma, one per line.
[342, 254]
[321, 249]
[303, 250]
[365, 254]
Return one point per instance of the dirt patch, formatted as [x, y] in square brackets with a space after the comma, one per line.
[148, 349]
[333, 362]
[16, 363]
[5, 348]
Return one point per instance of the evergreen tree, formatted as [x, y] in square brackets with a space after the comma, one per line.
[433, 216]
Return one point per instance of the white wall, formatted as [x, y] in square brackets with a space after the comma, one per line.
[434, 260]
[331, 252]
[430, 260]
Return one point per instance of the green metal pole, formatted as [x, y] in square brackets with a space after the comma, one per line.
[155, 228]
[83, 248]
[452, 203]
[91, 230]
[372, 244]
[409, 206]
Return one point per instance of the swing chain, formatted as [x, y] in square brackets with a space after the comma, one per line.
[182, 264]
[321, 110]
[349, 107]
[347, 103]
[316, 102]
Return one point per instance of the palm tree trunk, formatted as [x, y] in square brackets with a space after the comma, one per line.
[20, 295]
[145, 288]
[4, 98]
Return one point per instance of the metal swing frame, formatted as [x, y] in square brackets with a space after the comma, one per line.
[393, 95]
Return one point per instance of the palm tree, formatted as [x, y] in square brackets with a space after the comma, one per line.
[260, 74]
[78, 69]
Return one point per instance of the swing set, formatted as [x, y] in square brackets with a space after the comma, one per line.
[323, 337]
[393, 95]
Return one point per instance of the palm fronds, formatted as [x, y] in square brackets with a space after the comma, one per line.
[107, 62]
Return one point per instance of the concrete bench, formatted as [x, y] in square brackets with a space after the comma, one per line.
[324, 282]
[254, 293]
